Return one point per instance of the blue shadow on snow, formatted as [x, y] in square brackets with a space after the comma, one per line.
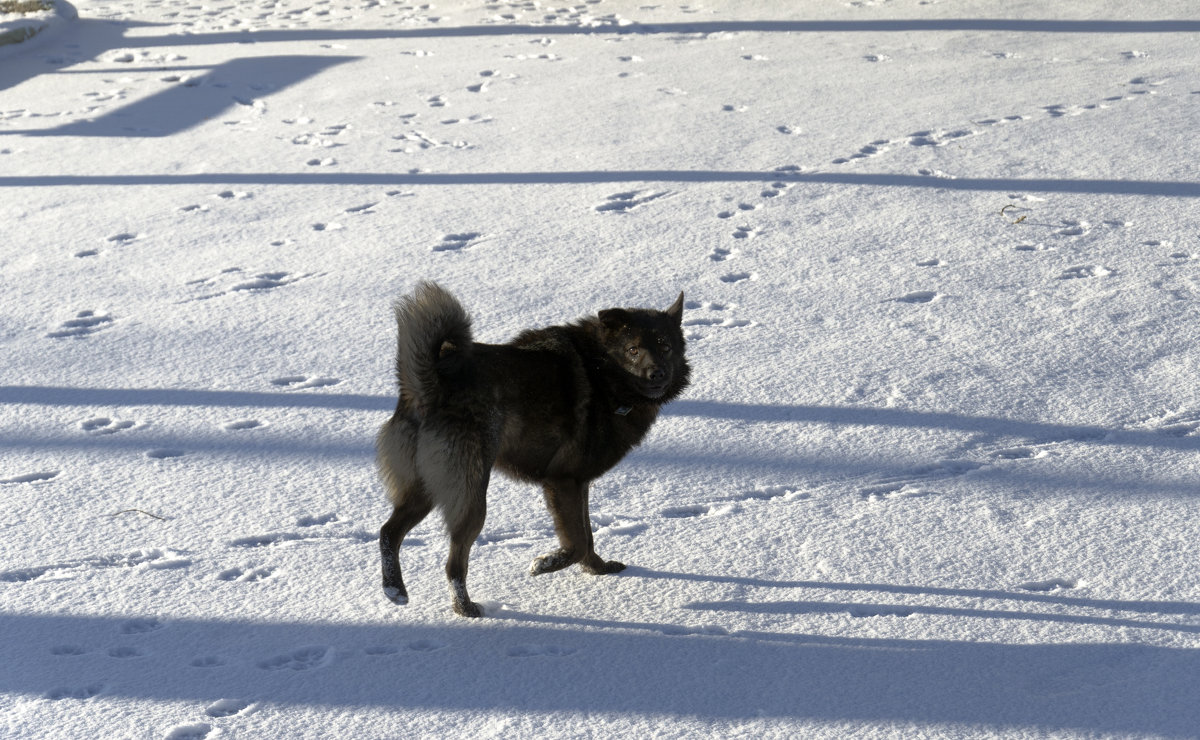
[514, 665]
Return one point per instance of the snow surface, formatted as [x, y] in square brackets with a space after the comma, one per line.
[937, 475]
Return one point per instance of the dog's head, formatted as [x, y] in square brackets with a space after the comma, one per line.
[648, 346]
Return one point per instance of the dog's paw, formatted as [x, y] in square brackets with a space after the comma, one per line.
[395, 595]
[468, 609]
[604, 567]
[550, 562]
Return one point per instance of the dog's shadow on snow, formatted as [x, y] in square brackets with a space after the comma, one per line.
[1096, 611]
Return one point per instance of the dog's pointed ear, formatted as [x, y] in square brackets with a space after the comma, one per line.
[676, 309]
[614, 319]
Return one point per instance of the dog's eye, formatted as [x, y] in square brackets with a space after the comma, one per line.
[633, 351]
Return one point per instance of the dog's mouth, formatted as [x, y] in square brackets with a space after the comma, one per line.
[654, 390]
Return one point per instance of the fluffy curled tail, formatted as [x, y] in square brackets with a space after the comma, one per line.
[434, 341]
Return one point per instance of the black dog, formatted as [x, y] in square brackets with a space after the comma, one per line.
[557, 406]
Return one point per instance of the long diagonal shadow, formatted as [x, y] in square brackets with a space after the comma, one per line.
[67, 396]
[1009, 25]
[1147, 607]
[749, 412]
[525, 667]
[96, 36]
[866, 610]
[1169, 188]
[181, 107]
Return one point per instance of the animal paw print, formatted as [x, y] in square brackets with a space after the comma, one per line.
[771, 493]
[720, 254]
[477, 118]
[627, 201]
[743, 207]
[84, 323]
[319, 520]
[919, 296]
[1086, 271]
[104, 425]
[699, 510]
[940, 174]
[776, 189]
[874, 149]
[716, 317]
[302, 659]
[297, 382]
[747, 232]
[736, 277]
[68, 650]
[195, 731]
[228, 707]
[1052, 584]
[266, 281]
[458, 242]
[1071, 227]
[418, 141]
[143, 56]
[245, 575]
[257, 283]
[937, 138]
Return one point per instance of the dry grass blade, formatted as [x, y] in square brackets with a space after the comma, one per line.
[25, 6]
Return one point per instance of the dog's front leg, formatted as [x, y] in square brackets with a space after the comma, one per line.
[567, 500]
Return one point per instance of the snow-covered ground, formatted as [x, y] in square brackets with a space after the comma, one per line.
[936, 476]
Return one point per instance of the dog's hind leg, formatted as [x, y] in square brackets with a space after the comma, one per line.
[407, 514]
[396, 449]
[567, 500]
[463, 531]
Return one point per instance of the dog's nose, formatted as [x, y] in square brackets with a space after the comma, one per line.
[658, 374]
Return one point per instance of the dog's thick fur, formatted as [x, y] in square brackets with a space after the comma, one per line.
[557, 406]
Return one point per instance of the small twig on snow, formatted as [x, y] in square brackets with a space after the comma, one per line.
[138, 511]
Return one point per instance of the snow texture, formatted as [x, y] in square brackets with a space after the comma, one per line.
[936, 475]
